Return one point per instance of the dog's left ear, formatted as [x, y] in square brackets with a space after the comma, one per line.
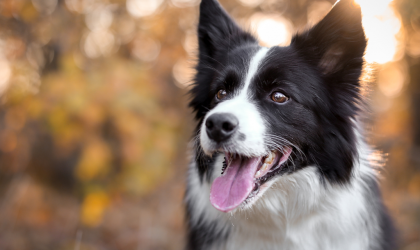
[337, 43]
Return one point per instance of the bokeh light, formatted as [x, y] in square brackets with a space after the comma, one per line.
[391, 80]
[272, 30]
[190, 43]
[99, 19]
[125, 28]
[145, 48]
[183, 72]
[98, 43]
[143, 8]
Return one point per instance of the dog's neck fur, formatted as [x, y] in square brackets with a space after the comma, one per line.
[300, 211]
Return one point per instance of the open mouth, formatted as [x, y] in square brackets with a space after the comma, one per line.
[242, 178]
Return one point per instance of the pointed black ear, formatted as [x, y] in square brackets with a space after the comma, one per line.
[337, 43]
[335, 47]
[217, 35]
[216, 30]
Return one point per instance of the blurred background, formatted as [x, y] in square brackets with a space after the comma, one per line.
[94, 123]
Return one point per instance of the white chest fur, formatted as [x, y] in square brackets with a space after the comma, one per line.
[297, 212]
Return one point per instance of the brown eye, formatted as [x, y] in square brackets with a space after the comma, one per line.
[221, 94]
[279, 97]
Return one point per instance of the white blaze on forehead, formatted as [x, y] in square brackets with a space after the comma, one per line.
[253, 68]
[251, 123]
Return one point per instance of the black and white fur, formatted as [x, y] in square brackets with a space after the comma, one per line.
[327, 196]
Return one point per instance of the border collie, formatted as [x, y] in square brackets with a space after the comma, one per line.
[279, 159]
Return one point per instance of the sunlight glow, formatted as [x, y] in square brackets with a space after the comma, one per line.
[264, 25]
[381, 27]
[317, 10]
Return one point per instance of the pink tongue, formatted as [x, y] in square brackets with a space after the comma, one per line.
[233, 187]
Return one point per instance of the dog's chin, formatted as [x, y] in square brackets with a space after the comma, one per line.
[245, 178]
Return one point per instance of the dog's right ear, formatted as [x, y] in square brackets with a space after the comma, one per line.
[216, 30]
[217, 35]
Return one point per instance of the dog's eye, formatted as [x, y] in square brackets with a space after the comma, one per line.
[221, 94]
[279, 97]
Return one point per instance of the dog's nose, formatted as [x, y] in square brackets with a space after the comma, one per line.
[221, 126]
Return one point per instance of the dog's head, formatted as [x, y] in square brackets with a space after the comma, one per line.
[273, 111]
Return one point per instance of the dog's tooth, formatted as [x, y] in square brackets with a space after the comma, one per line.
[266, 164]
[262, 169]
[269, 159]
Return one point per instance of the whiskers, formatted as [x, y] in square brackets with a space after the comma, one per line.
[279, 143]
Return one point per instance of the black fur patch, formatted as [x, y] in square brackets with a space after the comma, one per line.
[203, 233]
[204, 163]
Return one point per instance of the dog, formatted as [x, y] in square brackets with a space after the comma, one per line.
[280, 159]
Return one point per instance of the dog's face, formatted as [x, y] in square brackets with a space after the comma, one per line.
[273, 111]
